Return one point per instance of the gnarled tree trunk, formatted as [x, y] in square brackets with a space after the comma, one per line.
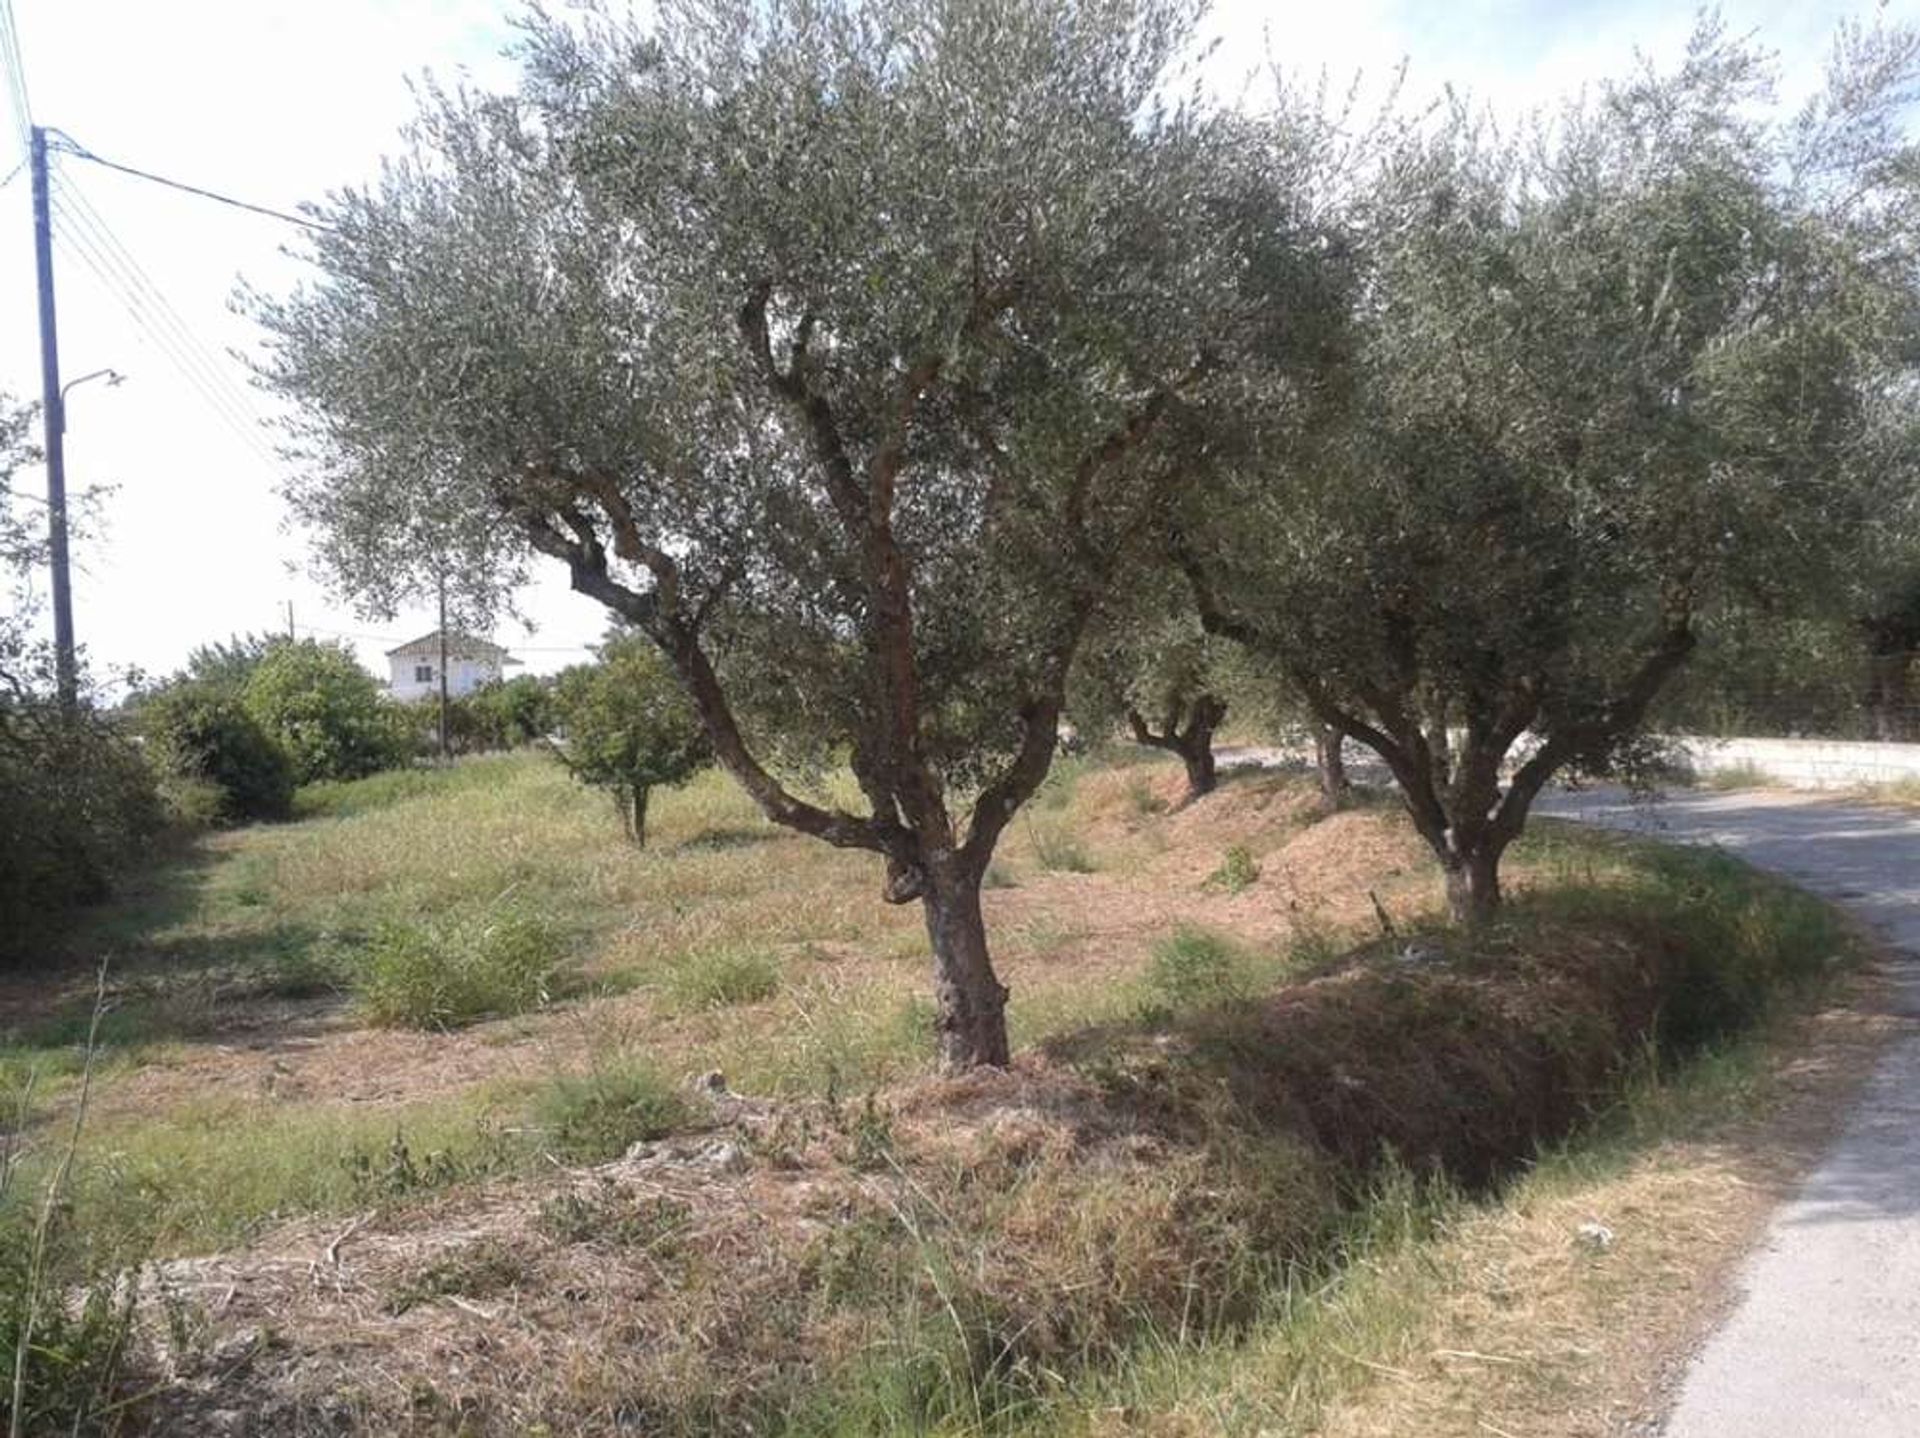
[1193, 742]
[970, 1015]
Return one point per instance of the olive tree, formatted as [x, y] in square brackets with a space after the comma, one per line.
[1149, 668]
[1604, 375]
[830, 346]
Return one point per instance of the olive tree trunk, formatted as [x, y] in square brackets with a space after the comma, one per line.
[1193, 742]
[1330, 759]
[970, 1001]
[1473, 883]
[1889, 697]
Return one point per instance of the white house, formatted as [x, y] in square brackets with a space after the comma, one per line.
[415, 666]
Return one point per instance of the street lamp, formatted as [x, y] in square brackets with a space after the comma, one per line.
[65, 664]
[113, 377]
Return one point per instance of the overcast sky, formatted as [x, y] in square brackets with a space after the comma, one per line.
[278, 101]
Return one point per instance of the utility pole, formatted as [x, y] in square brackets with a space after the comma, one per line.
[290, 636]
[54, 426]
[446, 751]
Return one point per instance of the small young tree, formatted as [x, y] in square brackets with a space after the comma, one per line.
[629, 728]
[1602, 378]
[828, 345]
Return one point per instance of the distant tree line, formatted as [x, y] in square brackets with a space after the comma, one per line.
[85, 792]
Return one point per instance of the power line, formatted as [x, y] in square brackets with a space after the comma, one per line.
[96, 245]
[396, 639]
[89, 250]
[87, 215]
[70, 146]
[15, 73]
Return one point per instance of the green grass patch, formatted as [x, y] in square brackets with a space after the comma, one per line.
[1194, 967]
[456, 970]
[720, 978]
[1238, 872]
[341, 799]
[620, 1101]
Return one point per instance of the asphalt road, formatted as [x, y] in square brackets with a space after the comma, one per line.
[1825, 1336]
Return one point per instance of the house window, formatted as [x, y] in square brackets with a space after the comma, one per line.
[423, 674]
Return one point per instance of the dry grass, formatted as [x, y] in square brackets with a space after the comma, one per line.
[1897, 793]
[860, 1247]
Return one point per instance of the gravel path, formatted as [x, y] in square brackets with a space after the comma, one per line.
[1825, 1337]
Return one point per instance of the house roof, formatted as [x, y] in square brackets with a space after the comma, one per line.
[459, 646]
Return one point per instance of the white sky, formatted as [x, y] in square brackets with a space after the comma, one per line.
[276, 101]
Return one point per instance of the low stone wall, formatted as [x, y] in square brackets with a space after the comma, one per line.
[1806, 763]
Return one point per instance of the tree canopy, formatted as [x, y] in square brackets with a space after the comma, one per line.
[835, 348]
[629, 727]
[1606, 374]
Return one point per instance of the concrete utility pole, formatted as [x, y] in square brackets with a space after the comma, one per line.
[53, 425]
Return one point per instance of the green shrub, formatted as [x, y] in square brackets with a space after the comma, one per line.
[505, 715]
[191, 804]
[201, 733]
[456, 970]
[78, 803]
[1194, 967]
[600, 1114]
[330, 715]
[721, 978]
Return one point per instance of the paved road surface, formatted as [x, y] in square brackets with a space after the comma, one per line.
[1825, 1339]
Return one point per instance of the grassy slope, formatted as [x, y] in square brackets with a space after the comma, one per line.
[243, 1083]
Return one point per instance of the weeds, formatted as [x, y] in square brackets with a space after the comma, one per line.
[596, 1116]
[1195, 967]
[1744, 775]
[478, 1269]
[1055, 848]
[459, 969]
[67, 1326]
[1238, 872]
[609, 1216]
[721, 978]
[1142, 798]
